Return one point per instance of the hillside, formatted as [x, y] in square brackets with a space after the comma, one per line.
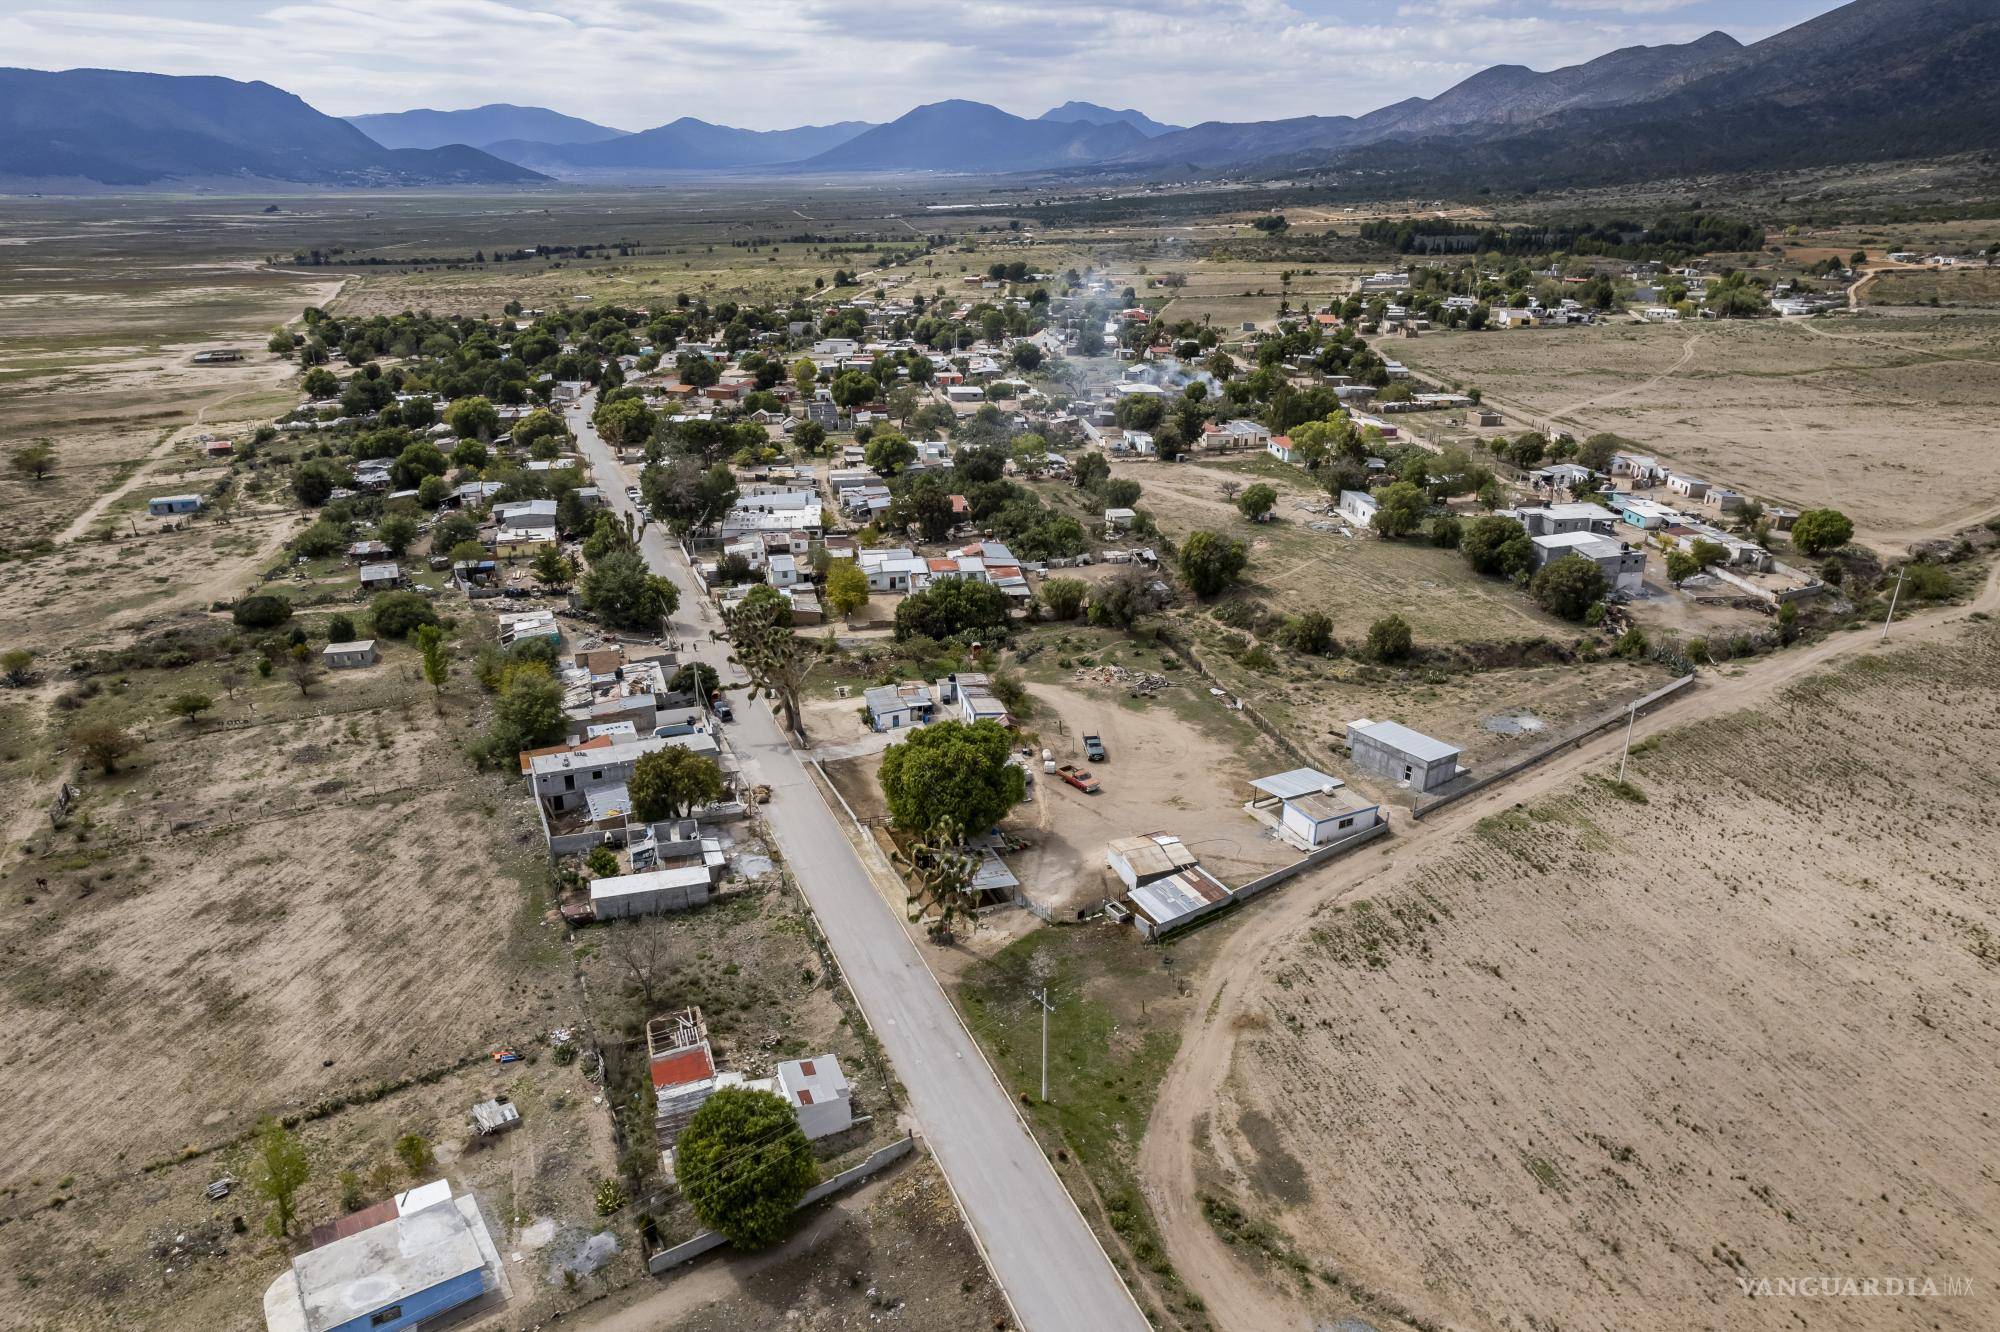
[973, 137]
[479, 126]
[125, 130]
[1090, 113]
[686, 144]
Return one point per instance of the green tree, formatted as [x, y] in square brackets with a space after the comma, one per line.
[685, 496]
[601, 862]
[527, 713]
[1400, 509]
[1211, 562]
[416, 462]
[1681, 566]
[281, 1170]
[846, 588]
[319, 382]
[673, 782]
[743, 1163]
[1389, 639]
[302, 667]
[1496, 545]
[625, 594]
[1568, 587]
[694, 677]
[1446, 529]
[952, 770]
[809, 437]
[437, 661]
[554, 568]
[889, 452]
[1063, 598]
[397, 614]
[1256, 501]
[313, 482]
[189, 706]
[34, 461]
[775, 658]
[624, 421]
[951, 606]
[473, 418]
[397, 532]
[1817, 531]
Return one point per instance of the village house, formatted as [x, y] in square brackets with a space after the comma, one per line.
[349, 656]
[1624, 567]
[893, 707]
[1310, 809]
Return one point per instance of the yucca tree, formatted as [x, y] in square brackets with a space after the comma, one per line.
[939, 862]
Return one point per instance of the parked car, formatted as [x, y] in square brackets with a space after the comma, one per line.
[1093, 749]
[1080, 778]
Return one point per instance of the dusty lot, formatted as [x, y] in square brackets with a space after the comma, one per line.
[1891, 419]
[242, 921]
[1595, 1060]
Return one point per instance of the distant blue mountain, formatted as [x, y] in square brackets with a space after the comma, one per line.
[1090, 113]
[479, 126]
[685, 145]
[973, 137]
[120, 129]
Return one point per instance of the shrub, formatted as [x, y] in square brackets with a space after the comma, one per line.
[1569, 587]
[744, 1163]
[261, 611]
[1817, 531]
[398, 614]
[1389, 639]
[1310, 632]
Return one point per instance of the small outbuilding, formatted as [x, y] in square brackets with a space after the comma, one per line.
[1140, 860]
[380, 577]
[167, 506]
[1311, 809]
[1390, 750]
[619, 895]
[349, 656]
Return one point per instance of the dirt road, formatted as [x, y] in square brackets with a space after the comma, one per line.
[1237, 1296]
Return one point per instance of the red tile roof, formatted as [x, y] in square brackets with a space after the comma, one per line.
[683, 1066]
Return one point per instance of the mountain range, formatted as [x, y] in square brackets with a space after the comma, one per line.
[97, 127]
[1871, 80]
[479, 126]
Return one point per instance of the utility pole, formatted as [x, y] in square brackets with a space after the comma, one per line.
[1042, 1001]
[1890, 617]
[1631, 720]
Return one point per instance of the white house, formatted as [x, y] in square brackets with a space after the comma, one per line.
[348, 656]
[820, 1094]
[1313, 809]
[1358, 507]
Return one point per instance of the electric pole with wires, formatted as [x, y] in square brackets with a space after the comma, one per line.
[1042, 1002]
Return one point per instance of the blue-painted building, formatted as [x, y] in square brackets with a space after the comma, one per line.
[166, 506]
[430, 1255]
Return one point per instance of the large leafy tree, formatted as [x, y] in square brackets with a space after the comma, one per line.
[775, 658]
[1211, 562]
[1399, 509]
[473, 418]
[1817, 531]
[684, 495]
[625, 594]
[951, 606]
[846, 588]
[743, 1163]
[1568, 587]
[1496, 545]
[673, 782]
[952, 770]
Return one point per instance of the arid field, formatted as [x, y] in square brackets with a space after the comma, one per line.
[1595, 1058]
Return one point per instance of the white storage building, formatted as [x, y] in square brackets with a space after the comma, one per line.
[1401, 754]
[619, 895]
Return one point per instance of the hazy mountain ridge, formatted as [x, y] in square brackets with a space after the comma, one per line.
[479, 126]
[686, 144]
[1091, 113]
[963, 136]
[115, 128]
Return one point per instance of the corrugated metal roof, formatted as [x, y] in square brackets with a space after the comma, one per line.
[1167, 900]
[1414, 743]
[1297, 782]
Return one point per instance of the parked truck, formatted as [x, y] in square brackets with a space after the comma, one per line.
[1080, 778]
[1093, 749]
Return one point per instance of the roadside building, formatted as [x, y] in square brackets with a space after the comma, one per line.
[1391, 750]
[395, 1266]
[1310, 809]
[820, 1094]
[1624, 566]
[616, 896]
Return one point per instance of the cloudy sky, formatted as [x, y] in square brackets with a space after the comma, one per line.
[766, 64]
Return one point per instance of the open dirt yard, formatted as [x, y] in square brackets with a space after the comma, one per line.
[1594, 1058]
[1893, 420]
[244, 920]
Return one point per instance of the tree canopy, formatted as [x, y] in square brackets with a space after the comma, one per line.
[673, 782]
[1211, 562]
[951, 606]
[622, 592]
[1817, 531]
[743, 1163]
[1568, 587]
[952, 770]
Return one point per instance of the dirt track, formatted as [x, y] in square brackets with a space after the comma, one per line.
[1236, 1296]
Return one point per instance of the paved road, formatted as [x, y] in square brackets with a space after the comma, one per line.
[1042, 1253]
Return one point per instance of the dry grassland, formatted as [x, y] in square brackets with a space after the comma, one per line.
[1892, 420]
[1595, 1060]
